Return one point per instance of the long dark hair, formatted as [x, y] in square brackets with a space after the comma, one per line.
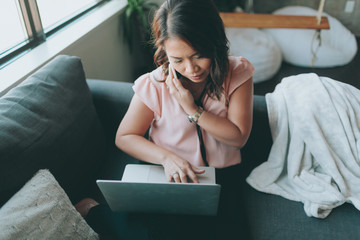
[197, 22]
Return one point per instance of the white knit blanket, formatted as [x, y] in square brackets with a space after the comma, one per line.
[314, 159]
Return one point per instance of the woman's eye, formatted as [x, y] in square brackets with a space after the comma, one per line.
[177, 61]
[198, 56]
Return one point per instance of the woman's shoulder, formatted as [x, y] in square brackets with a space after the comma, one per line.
[240, 64]
[157, 75]
[155, 78]
[149, 88]
[240, 71]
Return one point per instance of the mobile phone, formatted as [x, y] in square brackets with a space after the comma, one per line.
[174, 72]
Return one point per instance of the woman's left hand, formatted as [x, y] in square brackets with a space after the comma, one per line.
[181, 94]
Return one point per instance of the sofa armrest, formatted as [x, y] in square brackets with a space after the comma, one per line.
[111, 100]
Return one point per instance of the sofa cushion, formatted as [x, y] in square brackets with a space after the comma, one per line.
[42, 210]
[274, 217]
[49, 121]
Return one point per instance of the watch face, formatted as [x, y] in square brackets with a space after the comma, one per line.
[191, 118]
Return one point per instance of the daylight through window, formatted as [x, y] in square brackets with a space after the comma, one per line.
[26, 23]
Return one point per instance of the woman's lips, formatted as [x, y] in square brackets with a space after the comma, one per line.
[197, 77]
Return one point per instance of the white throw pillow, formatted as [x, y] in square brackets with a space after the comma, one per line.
[42, 210]
[259, 48]
[338, 44]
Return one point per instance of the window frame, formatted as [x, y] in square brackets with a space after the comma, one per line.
[35, 31]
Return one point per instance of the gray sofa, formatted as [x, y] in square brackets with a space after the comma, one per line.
[58, 120]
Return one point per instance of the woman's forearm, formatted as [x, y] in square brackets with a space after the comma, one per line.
[234, 130]
[142, 149]
[176, 168]
[223, 130]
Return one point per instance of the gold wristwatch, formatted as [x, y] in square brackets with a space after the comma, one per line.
[194, 118]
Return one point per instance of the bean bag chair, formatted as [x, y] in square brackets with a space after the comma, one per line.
[259, 48]
[337, 45]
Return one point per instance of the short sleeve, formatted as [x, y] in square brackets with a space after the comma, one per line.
[148, 92]
[241, 70]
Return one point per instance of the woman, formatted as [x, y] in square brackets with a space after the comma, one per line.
[196, 80]
[212, 90]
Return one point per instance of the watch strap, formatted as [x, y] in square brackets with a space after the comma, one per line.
[194, 118]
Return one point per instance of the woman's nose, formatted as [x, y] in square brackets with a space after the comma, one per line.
[191, 68]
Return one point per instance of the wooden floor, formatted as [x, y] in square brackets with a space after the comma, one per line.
[349, 73]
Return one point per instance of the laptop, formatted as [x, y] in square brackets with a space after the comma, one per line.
[144, 188]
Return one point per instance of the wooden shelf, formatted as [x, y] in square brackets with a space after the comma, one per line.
[250, 20]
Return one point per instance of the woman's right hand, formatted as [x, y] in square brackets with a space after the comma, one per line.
[182, 95]
[180, 170]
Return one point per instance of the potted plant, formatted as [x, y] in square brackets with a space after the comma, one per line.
[137, 33]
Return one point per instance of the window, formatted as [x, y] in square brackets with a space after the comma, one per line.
[26, 23]
[55, 12]
[12, 24]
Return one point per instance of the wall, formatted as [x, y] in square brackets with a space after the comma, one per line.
[103, 52]
[335, 8]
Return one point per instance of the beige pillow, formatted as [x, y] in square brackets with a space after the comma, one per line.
[42, 210]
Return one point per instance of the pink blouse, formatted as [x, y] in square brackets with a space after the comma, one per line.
[171, 128]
